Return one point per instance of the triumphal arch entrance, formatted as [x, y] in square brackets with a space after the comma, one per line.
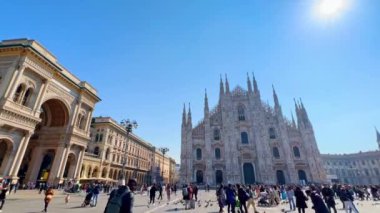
[45, 115]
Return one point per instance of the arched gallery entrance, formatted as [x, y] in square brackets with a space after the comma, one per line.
[6, 148]
[49, 135]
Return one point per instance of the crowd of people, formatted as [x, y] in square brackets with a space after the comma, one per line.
[322, 197]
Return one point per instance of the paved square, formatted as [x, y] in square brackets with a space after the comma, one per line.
[31, 202]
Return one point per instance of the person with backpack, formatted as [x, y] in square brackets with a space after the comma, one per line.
[186, 196]
[121, 200]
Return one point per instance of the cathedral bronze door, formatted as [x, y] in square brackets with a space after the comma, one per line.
[302, 175]
[280, 177]
[199, 176]
[219, 176]
[249, 173]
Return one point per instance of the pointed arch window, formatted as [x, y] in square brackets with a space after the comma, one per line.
[199, 154]
[217, 153]
[296, 152]
[276, 153]
[216, 134]
[272, 133]
[241, 113]
[244, 138]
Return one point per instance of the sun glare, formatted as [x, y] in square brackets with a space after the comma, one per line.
[331, 8]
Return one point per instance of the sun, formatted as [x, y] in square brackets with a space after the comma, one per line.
[331, 8]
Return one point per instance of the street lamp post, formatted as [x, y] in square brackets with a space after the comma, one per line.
[163, 150]
[129, 126]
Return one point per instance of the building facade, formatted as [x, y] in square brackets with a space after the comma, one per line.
[355, 168]
[45, 115]
[110, 146]
[243, 140]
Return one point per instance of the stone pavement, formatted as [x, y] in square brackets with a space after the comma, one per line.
[32, 202]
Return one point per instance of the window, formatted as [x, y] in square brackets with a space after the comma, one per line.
[96, 151]
[373, 162]
[272, 133]
[217, 153]
[296, 152]
[97, 138]
[244, 138]
[216, 134]
[27, 96]
[241, 115]
[199, 154]
[276, 153]
[101, 137]
[376, 170]
[18, 93]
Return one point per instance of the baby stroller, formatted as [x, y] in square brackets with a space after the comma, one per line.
[263, 201]
[87, 199]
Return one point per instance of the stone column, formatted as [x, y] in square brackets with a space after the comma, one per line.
[35, 164]
[56, 170]
[15, 80]
[18, 155]
[39, 98]
[87, 128]
[79, 164]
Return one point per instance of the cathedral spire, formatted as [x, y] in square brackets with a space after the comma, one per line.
[255, 87]
[206, 109]
[189, 123]
[227, 86]
[184, 115]
[275, 98]
[377, 137]
[249, 84]
[293, 121]
[277, 106]
[221, 90]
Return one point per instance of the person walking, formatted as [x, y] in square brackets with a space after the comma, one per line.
[48, 197]
[168, 191]
[290, 196]
[231, 198]
[3, 195]
[348, 199]
[300, 200]
[221, 197]
[328, 196]
[95, 196]
[195, 191]
[159, 192]
[121, 200]
[251, 200]
[318, 204]
[186, 196]
[243, 196]
[152, 194]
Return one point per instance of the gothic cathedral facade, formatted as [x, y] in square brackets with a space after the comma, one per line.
[244, 140]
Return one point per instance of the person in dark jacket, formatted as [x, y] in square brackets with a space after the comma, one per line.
[152, 194]
[300, 200]
[231, 198]
[328, 196]
[243, 197]
[127, 199]
[318, 204]
[3, 194]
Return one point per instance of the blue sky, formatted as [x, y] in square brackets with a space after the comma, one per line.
[146, 58]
